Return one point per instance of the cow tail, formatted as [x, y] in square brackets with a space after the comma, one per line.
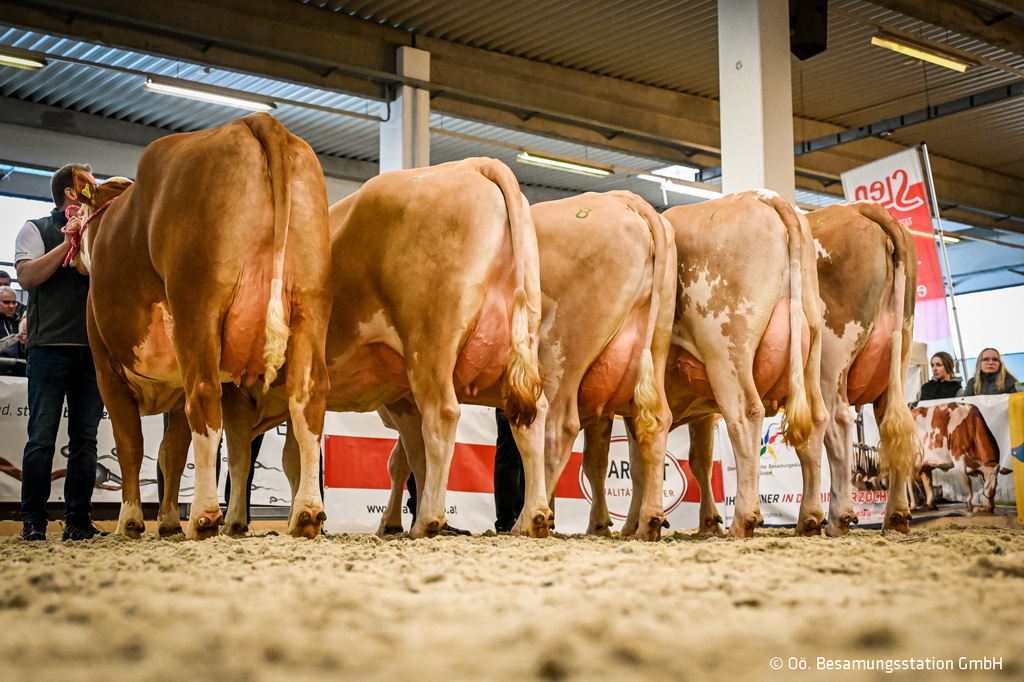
[796, 423]
[900, 445]
[647, 403]
[522, 386]
[273, 139]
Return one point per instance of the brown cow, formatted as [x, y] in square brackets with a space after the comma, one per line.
[867, 277]
[212, 267]
[607, 271]
[957, 437]
[746, 339]
[436, 302]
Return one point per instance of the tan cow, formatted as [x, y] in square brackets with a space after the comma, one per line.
[436, 302]
[212, 267]
[957, 437]
[867, 277]
[607, 270]
[746, 339]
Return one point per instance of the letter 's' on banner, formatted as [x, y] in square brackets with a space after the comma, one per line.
[897, 182]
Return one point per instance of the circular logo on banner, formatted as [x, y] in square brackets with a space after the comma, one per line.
[618, 481]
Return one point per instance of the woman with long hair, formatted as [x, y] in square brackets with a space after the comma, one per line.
[944, 383]
[990, 375]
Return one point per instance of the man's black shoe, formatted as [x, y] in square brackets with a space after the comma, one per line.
[81, 531]
[33, 532]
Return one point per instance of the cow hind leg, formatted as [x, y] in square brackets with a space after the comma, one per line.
[408, 446]
[596, 440]
[561, 427]
[744, 418]
[536, 518]
[701, 455]
[647, 464]
[839, 446]
[172, 459]
[239, 416]
[898, 436]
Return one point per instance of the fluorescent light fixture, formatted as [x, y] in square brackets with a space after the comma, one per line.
[21, 59]
[921, 51]
[687, 173]
[562, 164]
[690, 190]
[206, 93]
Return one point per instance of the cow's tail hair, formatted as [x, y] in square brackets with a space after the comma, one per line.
[273, 139]
[796, 424]
[522, 386]
[900, 446]
[647, 401]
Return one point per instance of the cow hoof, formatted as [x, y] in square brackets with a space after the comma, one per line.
[307, 524]
[808, 528]
[204, 526]
[898, 521]
[433, 529]
[650, 531]
[132, 529]
[601, 530]
[172, 531]
[711, 527]
[234, 530]
[389, 530]
[539, 527]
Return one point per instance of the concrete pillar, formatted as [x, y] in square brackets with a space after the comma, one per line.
[405, 137]
[756, 96]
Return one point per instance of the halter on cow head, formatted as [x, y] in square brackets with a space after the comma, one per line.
[94, 201]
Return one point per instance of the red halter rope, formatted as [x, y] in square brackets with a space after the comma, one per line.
[76, 236]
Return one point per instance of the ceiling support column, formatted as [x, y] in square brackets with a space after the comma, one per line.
[405, 136]
[756, 96]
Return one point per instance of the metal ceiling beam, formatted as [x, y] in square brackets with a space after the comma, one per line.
[963, 19]
[298, 43]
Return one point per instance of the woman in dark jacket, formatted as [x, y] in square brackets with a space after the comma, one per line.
[990, 375]
[943, 383]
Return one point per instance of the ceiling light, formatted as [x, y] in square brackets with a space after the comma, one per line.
[206, 93]
[21, 59]
[690, 190]
[921, 51]
[687, 173]
[562, 165]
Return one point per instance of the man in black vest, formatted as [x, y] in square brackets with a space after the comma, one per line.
[59, 364]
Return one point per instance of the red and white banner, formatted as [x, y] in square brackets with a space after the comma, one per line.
[897, 182]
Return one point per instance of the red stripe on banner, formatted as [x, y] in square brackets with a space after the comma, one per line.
[356, 462]
[568, 487]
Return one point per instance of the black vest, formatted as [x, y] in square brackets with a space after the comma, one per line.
[56, 307]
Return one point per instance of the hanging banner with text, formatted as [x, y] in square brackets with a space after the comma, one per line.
[897, 183]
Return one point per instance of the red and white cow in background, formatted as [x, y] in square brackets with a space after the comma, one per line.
[746, 340]
[436, 302]
[211, 267]
[956, 437]
[867, 278]
[607, 278]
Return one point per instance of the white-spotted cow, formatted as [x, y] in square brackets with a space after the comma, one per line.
[957, 437]
[436, 301]
[746, 339]
[607, 272]
[867, 277]
[213, 266]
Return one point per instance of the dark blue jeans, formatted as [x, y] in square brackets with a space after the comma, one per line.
[56, 372]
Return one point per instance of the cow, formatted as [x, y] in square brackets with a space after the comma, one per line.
[957, 437]
[436, 301]
[746, 339]
[211, 267]
[867, 279]
[607, 273]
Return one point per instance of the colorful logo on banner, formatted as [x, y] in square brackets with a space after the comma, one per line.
[897, 183]
[771, 440]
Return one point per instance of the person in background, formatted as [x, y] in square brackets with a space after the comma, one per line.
[990, 375]
[509, 479]
[11, 348]
[943, 383]
[60, 363]
[5, 281]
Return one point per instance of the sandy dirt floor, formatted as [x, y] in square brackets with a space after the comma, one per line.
[502, 608]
